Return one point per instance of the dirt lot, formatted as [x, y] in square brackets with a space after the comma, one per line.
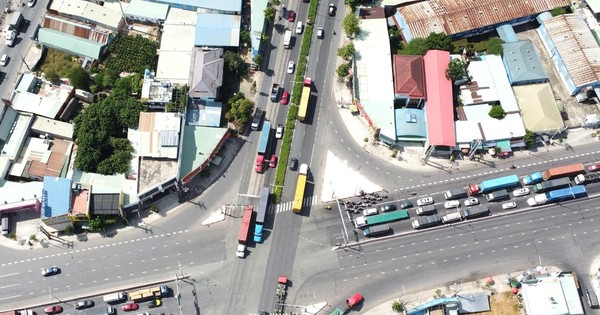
[503, 303]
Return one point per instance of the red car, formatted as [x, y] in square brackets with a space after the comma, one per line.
[259, 165]
[285, 98]
[130, 307]
[53, 309]
[354, 300]
[273, 161]
[593, 168]
[292, 16]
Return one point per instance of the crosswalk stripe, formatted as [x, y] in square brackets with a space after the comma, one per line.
[287, 206]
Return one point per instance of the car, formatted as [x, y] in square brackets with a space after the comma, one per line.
[388, 208]
[320, 33]
[130, 307]
[451, 204]
[30, 3]
[53, 309]
[273, 161]
[259, 164]
[50, 271]
[84, 304]
[279, 131]
[285, 99]
[291, 67]
[292, 16]
[331, 9]
[370, 211]
[591, 168]
[110, 311]
[509, 205]
[521, 192]
[354, 300]
[425, 201]
[406, 204]
[4, 60]
[471, 202]
[293, 164]
[299, 27]
[154, 303]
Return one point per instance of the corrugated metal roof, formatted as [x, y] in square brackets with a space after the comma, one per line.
[538, 107]
[576, 46]
[439, 107]
[217, 30]
[56, 196]
[409, 76]
[457, 16]
[410, 124]
[523, 62]
[152, 10]
[88, 11]
[76, 45]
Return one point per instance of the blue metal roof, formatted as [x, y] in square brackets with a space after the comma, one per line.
[56, 196]
[522, 63]
[507, 33]
[410, 123]
[421, 308]
[217, 30]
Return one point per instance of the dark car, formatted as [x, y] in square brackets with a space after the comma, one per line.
[84, 304]
[388, 208]
[332, 9]
[154, 303]
[406, 204]
[293, 164]
[50, 271]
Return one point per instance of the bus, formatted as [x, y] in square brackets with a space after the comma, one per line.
[381, 218]
[300, 187]
[305, 99]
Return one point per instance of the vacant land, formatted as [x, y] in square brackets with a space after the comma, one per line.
[503, 303]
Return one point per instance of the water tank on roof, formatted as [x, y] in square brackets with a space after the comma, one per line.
[147, 72]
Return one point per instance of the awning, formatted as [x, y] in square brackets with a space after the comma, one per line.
[518, 144]
[504, 145]
[354, 109]
[489, 144]
[216, 160]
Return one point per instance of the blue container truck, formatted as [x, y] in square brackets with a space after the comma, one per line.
[533, 178]
[263, 204]
[493, 184]
[568, 193]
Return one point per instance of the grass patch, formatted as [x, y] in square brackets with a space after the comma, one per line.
[290, 124]
[58, 62]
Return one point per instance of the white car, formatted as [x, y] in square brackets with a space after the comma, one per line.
[279, 132]
[370, 211]
[451, 204]
[291, 67]
[4, 60]
[30, 3]
[425, 201]
[471, 202]
[299, 28]
[521, 192]
[509, 205]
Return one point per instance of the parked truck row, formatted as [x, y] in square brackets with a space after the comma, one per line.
[491, 185]
[555, 172]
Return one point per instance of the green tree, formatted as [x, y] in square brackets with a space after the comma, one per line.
[233, 61]
[529, 138]
[558, 11]
[417, 46]
[343, 70]
[96, 224]
[455, 70]
[497, 112]
[270, 14]
[346, 51]
[245, 37]
[52, 76]
[258, 59]
[352, 4]
[495, 46]
[439, 41]
[395, 39]
[398, 306]
[351, 24]
[80, 79]
[118, 161]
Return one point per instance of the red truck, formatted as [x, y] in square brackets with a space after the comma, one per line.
[351, 303]
[244, 228]
[564, 171]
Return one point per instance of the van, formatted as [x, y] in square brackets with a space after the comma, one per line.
[425, 210]
[451, 217]
[451, 204]
[5, 226]
[591, 298]
[164, 290]
[370, 211]
[115, 297]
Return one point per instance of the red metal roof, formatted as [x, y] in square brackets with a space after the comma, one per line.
[439, 108]
[409, 76]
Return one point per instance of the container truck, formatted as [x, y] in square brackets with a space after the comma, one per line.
[375, 230]
[116, 297]
[263, 144]
[260, 215]
[426, 210]
[15, 21]
[568, 193]
[300, 186]
[493, 184]
[148, 293]
[455, 193]
[274, 92]
[475, 212]
[551, 185]
[381, 218]
[497, 195]
[243, 235]
[532, 178]
[427, 221]
[287, 39]
[564, 171]
[451, 217]
[587, 178]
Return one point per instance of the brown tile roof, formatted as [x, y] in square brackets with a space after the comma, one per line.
[372, 13]
[457, 16]
[409, 76]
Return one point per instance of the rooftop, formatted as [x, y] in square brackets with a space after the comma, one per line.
[47, 101]
[204, 113]
[151, 10]
[439, 106]
[56, 128]
[410, 124]
[154, 91]
[538, 107]
[552, 295]
[42, 157]
[175, 52]
[409, 76]
[522, 62]
[56, 197]
[198, 143]
[206, 72]
[217, 30]
[479, 125]
[159, 135]
[88, 11]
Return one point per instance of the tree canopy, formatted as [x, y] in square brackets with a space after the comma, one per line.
[351, 24]
[346, 51]
[497, 112]
[456, 70]
[419, 46]
[132, 54]
[233, 61]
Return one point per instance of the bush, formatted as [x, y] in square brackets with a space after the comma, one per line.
[497, 112]
[343, 70]
[154, 208]
[529, 139]
[558, 11]
[33, 238]
[69, 230]
[495, 46]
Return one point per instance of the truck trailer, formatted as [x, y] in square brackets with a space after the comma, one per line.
[15, 21]
[300, 187]
[305, 99]
[455, 193]
[381, 218]
[533, 178]
[427, 221]
[493, 184]
[452, 217]
[587, 178]
[375, 230]
[497, 195]
[475, 212]
[148, 293]
[551, 185]
[558, 195]
[263, 145]
[564, 171]
[243, 235]
[263, 204]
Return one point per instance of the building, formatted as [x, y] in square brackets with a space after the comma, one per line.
[56, 203]
[88, 12]
[175, 52]
[156, 94]
[573, 49]
[522, 63]
[217, 30]
[39, 97]
[409, 81]
[555, 293]
[257, 24]
[538, 108]
[206, 6]
[465, 19]
[439, 106]
[206, 73]
[146, 12]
